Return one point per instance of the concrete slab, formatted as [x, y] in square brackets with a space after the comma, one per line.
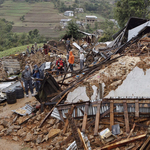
[137, 83]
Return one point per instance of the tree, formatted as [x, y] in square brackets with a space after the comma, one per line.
[72, 30]
[125, 9]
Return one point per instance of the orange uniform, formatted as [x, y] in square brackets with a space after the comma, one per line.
[71, 58]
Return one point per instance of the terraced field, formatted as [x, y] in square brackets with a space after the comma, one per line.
[40, 15]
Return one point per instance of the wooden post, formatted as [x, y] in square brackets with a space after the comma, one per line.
[126, 116]
[136, 108]
[100, 91]
[111, 114]
[66, 123]
[85, 117]
[97, 119]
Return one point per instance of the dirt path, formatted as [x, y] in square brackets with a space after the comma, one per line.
[7, 109]
[9, 145]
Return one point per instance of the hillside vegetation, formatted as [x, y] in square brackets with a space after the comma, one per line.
[46, 16]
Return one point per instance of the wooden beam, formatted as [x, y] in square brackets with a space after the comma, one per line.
[136, 108]
[85, 117]
[126, 116]
[97, 119]
[137, 145]
[123, 142]
[111, 114]
[66, 123]
[131, 131]
[145, 144]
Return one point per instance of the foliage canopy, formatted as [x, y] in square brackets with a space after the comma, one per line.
[131, 8]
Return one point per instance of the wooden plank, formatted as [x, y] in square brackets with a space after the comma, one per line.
[97, 119]
[136, 108]
[137, 146]
[85, 117]
[123, 142]
[131, 131]
[145, 144]
[126, 116]
[82, 140]
[66, 124]
[111, 114]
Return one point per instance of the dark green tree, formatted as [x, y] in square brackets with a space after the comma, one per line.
[72, 30]
[125, 9]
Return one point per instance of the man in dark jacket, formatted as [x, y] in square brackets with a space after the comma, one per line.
[36, 75]
[26, 77]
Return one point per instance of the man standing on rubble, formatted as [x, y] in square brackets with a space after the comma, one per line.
[59, 65]
[71, 60]
[27, 51]
[68, 45]
[36, 75]
[81, 59]
[26, 77]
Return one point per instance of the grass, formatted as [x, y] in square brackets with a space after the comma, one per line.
[16, 50]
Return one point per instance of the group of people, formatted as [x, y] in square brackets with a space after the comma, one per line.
[27, 76]
[46, 49]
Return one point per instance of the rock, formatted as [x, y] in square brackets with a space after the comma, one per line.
[15, 138]
[1, 134]
[8, 131]
[4, 123]
[31, 144]
[39, 139]
[28, 137]
[90, 137]
[51, 121]
[19, 132]
[23, 134]
[53, 132]
[1, 127]
[16, 127]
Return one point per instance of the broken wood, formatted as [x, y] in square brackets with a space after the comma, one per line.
[85, 117]
[111, 114]
[136, 108]
[81, 138]
[137, 146]
[123, 142]
[66, 124]
[126, 116]
[53, 109]
[97, 119]
[145, 144]
[131, 131]
[74, 131]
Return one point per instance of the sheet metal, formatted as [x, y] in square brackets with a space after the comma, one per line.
[135, 31]
[28, 108]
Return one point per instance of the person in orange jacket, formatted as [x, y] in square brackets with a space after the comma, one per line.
[71, 60]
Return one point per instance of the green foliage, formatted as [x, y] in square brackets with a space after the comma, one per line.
[130, 8]
[9, 39]
[109, 29]
[22, 18]
[72, 30]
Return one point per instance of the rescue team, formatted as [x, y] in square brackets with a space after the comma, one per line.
[38, 74]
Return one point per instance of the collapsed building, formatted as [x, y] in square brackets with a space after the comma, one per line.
[103, 106]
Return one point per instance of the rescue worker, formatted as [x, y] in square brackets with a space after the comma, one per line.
[26, 77]
[36, 75]
[71, 60]
[59, 65]
[81, 60]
